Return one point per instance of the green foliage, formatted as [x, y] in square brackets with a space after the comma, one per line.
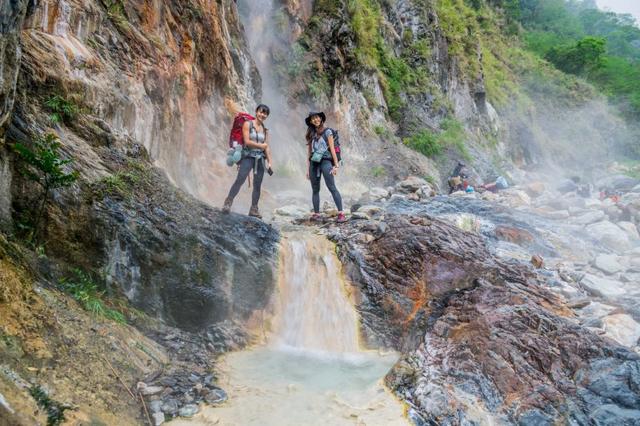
[124, 182]
[378, 171]
[432, 144]
[55, 410]
[573, 35]
[453, 135]
[365, 22]
[586, 55]
[425, 142]
[460, 24]
[83, 289]
[117, 12]
[44, 166]
[63, 110]
[430, 179]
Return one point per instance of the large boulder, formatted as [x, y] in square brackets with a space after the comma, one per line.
[589, 217]
[411, 184]
[623, 329]
[609, 235]
[631, 229]
[608, 263]
[602, 287]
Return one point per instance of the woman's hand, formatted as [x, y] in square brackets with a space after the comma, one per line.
[334, 170]
[308, 174]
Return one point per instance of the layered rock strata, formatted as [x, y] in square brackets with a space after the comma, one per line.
[484, 340]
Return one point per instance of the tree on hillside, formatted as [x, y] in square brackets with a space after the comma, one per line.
[584, 56]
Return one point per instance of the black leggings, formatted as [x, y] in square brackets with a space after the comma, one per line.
[323, 168]
[246, 166]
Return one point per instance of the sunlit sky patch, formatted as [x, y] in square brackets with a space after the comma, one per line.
[621, 6]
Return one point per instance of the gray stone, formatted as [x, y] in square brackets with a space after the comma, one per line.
[378, 193]
[602, 287]
[155, 405]
[370, 209]
[609, 235]
[589, 218]
[397, 197]
[623, 329]
[151, 390]
[426, 192]
[556, 214]
[592, 203]
[630, 229]
[612, 415]
[170, 407]
[608, 263]
[360, 215]
[188, 410]
[411, 184]
[216, 396]
[158, 418]
[291, 211]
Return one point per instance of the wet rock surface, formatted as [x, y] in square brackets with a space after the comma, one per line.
[485, 339]
[185, 262]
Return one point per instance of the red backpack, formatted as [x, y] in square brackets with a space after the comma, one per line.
[236, 129]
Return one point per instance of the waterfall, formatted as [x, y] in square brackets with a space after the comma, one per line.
[312, 372]
[262, 20]
[313, 311]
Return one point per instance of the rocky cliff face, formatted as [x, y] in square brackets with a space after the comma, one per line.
[12, 16]
[124, 80]
[162, 74]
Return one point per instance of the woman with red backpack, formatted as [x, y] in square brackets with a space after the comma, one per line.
[323, 161]
[255, 150]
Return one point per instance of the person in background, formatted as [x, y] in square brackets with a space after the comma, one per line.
[323, 161]
[457, 179]
[255, 152]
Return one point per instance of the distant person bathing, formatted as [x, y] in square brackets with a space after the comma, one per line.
[323, 161]
[254, 153]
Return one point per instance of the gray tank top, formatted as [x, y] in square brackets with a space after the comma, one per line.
[254, 135]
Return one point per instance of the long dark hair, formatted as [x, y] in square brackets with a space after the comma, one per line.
[310, 131]
[263, 108]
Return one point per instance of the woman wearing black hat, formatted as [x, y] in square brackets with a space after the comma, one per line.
[322, 161]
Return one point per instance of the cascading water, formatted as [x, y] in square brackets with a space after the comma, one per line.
[312, 371]
[313, 311]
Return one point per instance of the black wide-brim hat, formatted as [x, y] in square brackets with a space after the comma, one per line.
[311, 114]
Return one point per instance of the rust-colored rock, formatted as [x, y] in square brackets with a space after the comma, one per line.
[484, 340]
[537, 261]
[514, 235]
